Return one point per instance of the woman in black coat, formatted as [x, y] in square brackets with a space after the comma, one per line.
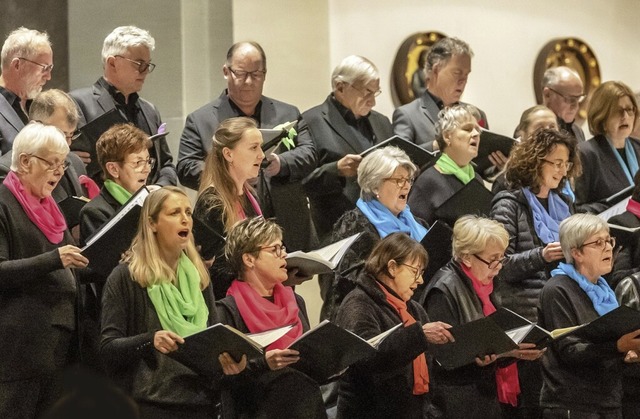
[395, 383]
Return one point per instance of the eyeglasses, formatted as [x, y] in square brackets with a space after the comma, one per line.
[417, 272]
[242, 75]
[628, 111]
[142, 65]
[45, 67]
[494, 263]
[276, 249]
[72, 136]
[559, 165]
[569, 99]
[140, 165]
[52, 167]
[601, 243]
[400, 181]
[367, 93]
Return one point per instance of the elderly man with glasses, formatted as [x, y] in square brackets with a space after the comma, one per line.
[563, 92]
[126, 60]
[27, 62]
[279, 190]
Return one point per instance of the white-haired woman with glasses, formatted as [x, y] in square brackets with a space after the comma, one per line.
[257, 301]
[582, 379]
[37, 287]
[385, 177]
[458, 136]
[460, 293]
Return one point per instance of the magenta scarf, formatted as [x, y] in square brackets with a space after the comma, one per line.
[44, 213]
[507, 381]
[260, 314]
[634, 207]
[256, 207]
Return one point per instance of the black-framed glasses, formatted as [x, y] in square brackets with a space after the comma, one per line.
[142, 65]
[52, 167]
[45, 67]
[570, 99]
[400, 181]
[559, 165]
[629, 111]
[601, 243]
[367, 93]
[140, 165]
[242, 75]
[494, 263]
[417, 272]
[276, 249]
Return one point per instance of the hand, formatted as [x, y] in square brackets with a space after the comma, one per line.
[71, 257]
[486, 360]
[498, 159]
[166, 341]
[348, 165]
[631, 357]
[526, 351]
[294, 279]
[629, 342]
[230, 366]
[84, 156]
[437, 333]
[280, 358]
[274, 165]
[552, 252]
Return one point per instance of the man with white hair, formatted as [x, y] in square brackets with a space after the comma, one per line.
[27, 62]
[563, 92]
[126, 60]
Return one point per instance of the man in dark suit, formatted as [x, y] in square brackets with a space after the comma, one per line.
[126, 59]
[279, 191]
[27, 62]
[563, 92]
[342, 127]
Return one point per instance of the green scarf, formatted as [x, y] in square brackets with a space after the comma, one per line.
[118, 192]
[447, 166]
[181, 309]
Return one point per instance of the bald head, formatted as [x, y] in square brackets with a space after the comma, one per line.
[562, 92]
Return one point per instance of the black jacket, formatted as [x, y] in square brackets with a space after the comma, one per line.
[627, 261]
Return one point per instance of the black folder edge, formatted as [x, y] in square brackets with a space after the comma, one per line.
[421, 157]
[619, 196]
[440, 212]
[492, 142]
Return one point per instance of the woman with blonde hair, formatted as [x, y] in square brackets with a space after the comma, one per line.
[159, 295]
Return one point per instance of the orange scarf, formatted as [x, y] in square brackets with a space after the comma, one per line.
[420, 372]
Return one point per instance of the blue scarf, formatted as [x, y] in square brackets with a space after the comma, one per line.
[386, 223]
[632, 159]
[547, 224]
[601, 294]
[568, 191]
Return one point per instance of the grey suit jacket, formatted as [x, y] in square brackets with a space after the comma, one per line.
[10, 125]
[95, 100]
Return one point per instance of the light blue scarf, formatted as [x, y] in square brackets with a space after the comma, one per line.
[547, 224]
[387, 223]
[632, 159]
[600, 293]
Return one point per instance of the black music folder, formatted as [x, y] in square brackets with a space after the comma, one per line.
[70, 207]
[437, 242]
[490, 142]
[419, 156]
[473, 198]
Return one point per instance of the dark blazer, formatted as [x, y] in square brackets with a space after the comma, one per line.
[280, 196]
[602, 175]
[416, 121]
[628, 260]
[95, 100]
[10, 125]
[330, 194]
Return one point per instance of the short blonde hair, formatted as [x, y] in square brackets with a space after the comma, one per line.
[377, 166]
[451, 118]
[36, 138]
[472, 234]
[247, 236]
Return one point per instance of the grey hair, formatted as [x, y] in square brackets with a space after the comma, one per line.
[45, 104]
[35, 138]
[354, 69]
[442, 51]
[25, 43]
[124, 37]
[377, 166]
[577, 228]
[451, 118]
[553, 75]
[472, 234]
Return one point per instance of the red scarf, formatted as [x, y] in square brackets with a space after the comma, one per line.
[506, 378]
[420, 371]
[256, 207]
[89, 185]
[634, 207]
[44, 213]
[260, 314]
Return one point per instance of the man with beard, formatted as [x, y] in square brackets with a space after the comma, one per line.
[27, 62]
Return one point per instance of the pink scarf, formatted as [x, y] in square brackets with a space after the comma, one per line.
[507, 377]
[89, 185]
[44, 213]
[256, 207]
[634, 207]
[260, 314]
